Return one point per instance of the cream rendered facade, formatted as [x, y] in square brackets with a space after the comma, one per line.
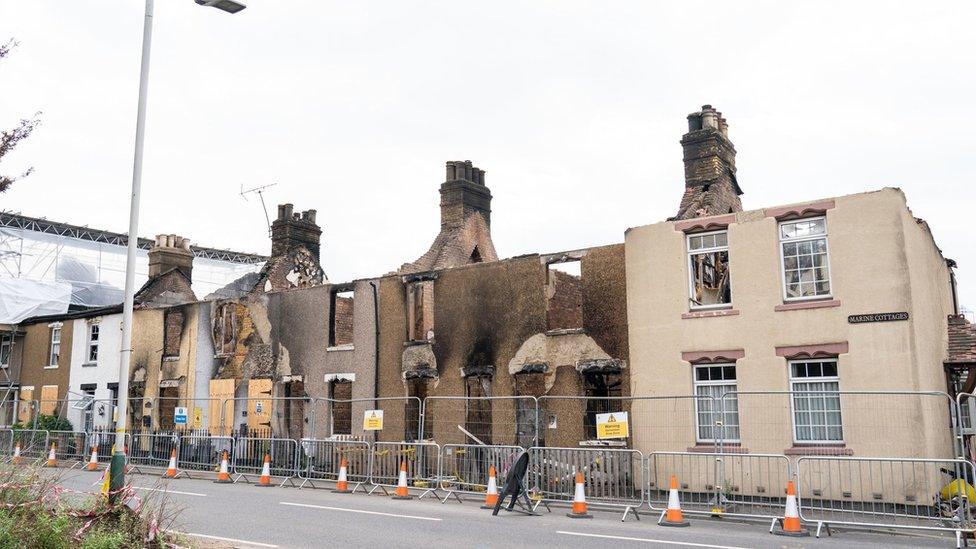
[881, 260]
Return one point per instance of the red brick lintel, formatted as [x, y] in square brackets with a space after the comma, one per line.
[826, 350]
[797, 211]
[702, 224]
[711, 357]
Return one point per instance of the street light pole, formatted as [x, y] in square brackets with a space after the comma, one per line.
[117, 467]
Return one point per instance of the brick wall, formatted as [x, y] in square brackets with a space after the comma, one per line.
[342, 322]
[565, 306]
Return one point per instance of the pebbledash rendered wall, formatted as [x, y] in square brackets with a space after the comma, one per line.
[881, 260]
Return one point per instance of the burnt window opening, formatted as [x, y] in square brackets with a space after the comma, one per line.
[603, 392]
[564, 293]
[172, 332]
[420, 310]
[294, 405]
[341, 318]
[137, 392]
[227, 329]
[475, 256]
[478, 414]
[527, 417]
[416, 387]
[708, 269]
[166, 407]
[340, 391]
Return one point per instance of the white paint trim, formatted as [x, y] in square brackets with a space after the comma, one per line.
[648, 540]
[343, 509]
[167, 491]
[218, 538]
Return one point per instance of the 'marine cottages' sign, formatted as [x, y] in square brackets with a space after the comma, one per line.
[876, 317]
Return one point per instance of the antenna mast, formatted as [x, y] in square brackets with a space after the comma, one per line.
[260, 192]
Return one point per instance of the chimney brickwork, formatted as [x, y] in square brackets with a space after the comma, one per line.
[170, 252]
[464, 192]
[293, 229]
[711, 187]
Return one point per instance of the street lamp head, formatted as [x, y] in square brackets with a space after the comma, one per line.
[230, 6]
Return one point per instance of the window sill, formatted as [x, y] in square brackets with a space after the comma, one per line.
[814, 304]
[89, 364]
[346, 347]
[818, 450]
[710, 313]
[55, 367]
[414, 342]
[171, 358]
[706, 448]
[565, 331]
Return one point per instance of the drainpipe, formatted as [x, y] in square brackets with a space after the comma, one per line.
[376, 350]
[952, 285]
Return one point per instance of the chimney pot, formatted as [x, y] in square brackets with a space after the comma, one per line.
[709, 159]
[451, 172]
[310, 216]
[285, 211]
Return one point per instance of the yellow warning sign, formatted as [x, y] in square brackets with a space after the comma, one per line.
[198, 418]
[373, 420]
[612, 425]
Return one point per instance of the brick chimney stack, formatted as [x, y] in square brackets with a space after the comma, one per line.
[170, 252]
[464, 192]
[291, 230]
[710, 183]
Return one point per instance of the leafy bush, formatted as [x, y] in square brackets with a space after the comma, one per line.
[46, 423]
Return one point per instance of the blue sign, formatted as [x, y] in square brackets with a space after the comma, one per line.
[179, 416]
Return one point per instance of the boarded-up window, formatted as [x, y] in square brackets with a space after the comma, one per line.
[416, 387]
[564, 306]
[602, 391]
[221, 390]
[478, 417]
[341, 392]
[24, 409]
[341, 318]
[172, 332]
[49, 399]
[259, 407]
[420, 310]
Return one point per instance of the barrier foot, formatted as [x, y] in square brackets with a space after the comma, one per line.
[629, 509]
[356, 487]
[541, 502]
[772, 525]
[287, 480]
[304, 482]
[428, 491]
[821, 525]
[450, 493]
[241, 476]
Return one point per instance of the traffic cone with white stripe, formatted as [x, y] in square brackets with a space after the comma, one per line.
[342, 484]
[223, 475]
[93, 462]
[673, 516]
[17, 457]
[491, 495]
[171, 470]
[791, 519]
[52, 456]
[401, 490]
[265, 479]
[580, 509]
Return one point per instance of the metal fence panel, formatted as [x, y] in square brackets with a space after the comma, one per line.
[7, 442]
[249, 456]
[70, 445]
[481, 420]
[151, 449]
[465, 467]
[422, 459]
[321, 459]
[886, 492]
[200, 451]
[33, 443]
[344, 418]
[104, 441]
[613, 477]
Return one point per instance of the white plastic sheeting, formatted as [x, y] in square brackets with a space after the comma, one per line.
[22, 298]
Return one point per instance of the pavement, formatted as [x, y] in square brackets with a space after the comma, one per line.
[245, 515]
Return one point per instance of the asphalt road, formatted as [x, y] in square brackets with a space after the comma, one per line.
[244, 515]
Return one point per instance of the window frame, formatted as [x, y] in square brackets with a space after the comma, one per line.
[725, 382]
[90, 343]
[6, 341]
[691, 271]
[51, 357]
[782, 258]
[819, 379]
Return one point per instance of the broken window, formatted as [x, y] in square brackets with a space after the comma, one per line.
[529, 384]
[93, 342]
[602, 391]
[167, 401]
[478, 415]
[172, 332]
[226, 339]
[420, 310]
[416, 387]
[564, 304]
[6, 344]
[806, 270]
[55, 345]
[708, 257]
[341, 318]
[340, 391]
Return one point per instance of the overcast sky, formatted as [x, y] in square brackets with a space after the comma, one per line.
[574, 109]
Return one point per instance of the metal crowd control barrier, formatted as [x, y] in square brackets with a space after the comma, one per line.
[151, 450]
[913, 493]
[34, 443]
[320, 460]
[613, 477]
[70, 446]
[249, 457]
[281, 414]
[104, 442]
[720, 484]
[202, 452]
[503, 420]
[7, 442]
[344, 417]
[464, 467]
[422, 459]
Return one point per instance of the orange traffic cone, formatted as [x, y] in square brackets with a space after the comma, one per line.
[491, 495]
[223, 476]
[342, 485]
[171, 470]
[93, 462]
[579, 499]
[401, 490]
[791, 519]
[673, 516]
[17, 457]
[265, 479]
[52, 456]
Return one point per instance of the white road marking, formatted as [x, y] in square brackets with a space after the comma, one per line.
[232, 540]
[661, 541]
[169, 491]
[358, 511]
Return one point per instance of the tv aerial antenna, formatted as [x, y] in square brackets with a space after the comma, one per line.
[260, 192]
